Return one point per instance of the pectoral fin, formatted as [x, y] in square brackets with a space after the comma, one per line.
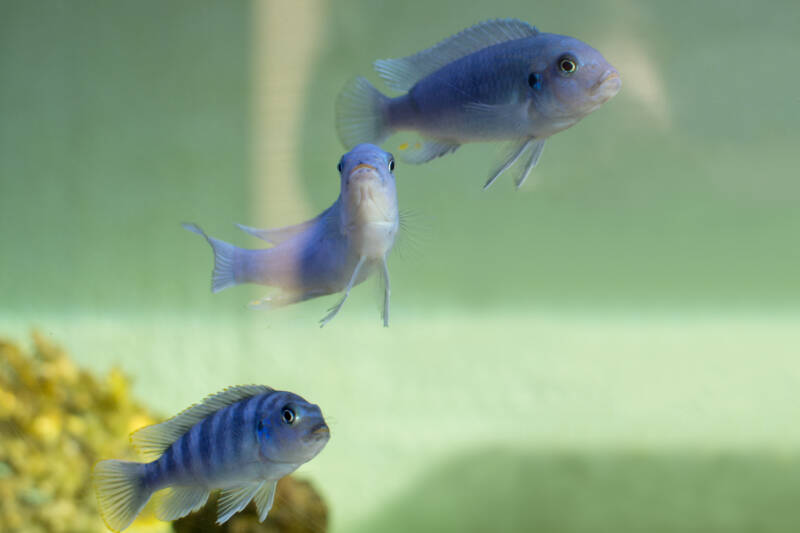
[513, 115]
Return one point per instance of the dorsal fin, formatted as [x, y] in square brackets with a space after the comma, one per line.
[401, 74]
[152, 441]
[279, 235]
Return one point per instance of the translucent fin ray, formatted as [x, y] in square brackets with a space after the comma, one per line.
[175, 502]
[121, 495]
[513, 154]
[224, 259]
[360, 114]
[527, 150]
[234, 499]
[533, 160]
[264, 498]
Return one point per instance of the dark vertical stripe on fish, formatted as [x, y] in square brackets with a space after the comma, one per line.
[274, 400]
[151, 471]
[204, 445]
[236, 429]
[162, 467]
[217, 441]
[196, 460]
[229, 430]
[260, 407]
[186, 454]
[249, 426]
[169, 461]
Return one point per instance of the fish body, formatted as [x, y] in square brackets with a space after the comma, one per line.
[241, 440]
[500, 80]
[331, 253]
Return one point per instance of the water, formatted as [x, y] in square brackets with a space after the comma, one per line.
[631, 316]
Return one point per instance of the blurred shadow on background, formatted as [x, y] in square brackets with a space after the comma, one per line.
[502, 490]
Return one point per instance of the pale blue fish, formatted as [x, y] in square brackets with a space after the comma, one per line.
[241, 440]
[501, 80]
[331, 253]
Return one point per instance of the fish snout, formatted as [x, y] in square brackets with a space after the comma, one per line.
[608, 84]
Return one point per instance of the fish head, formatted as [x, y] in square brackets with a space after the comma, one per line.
[368, 190]
[290, 430]
[568, 79]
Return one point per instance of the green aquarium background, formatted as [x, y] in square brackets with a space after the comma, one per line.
[615, 347]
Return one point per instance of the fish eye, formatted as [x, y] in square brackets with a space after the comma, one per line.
[391, 165]
[535, 80]
[567, 65]
[339, 166]
[288, 415]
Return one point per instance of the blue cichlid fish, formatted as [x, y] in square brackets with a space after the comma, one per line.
[500, 80]
[330, 253]
[241, 440]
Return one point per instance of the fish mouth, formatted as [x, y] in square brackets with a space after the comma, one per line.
[360, 166]
[363, 175]
[319, 432]
[607, 86]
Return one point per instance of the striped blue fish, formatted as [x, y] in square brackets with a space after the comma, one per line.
[241, 440]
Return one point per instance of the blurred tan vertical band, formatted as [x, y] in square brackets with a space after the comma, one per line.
[286, 35]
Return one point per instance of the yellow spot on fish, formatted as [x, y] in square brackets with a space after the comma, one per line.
[403, 146]
[417, 146]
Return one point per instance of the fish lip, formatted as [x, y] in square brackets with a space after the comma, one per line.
[608, 75]
[364, 166]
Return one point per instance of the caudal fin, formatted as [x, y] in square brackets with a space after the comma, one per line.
[120, 490]
[361, 114]
[224, 259]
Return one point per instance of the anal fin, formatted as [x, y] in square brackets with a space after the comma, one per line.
[234, 499]
[284, 298]
[424, 151]
[178, 501]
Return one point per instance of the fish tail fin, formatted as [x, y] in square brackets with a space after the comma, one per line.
[361, 114]
[224, 259]
[121, 492]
